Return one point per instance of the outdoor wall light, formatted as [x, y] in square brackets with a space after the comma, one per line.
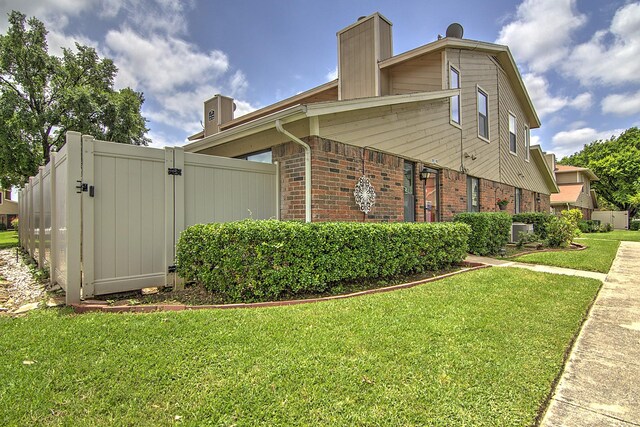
[424, 174]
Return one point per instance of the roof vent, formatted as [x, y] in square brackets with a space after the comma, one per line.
[455, 30]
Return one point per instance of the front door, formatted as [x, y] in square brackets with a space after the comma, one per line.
[409, 191]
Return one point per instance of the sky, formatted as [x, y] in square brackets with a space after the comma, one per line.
[580, 60]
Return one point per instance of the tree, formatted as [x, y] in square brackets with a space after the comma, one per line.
[43, 96]
[616, 162]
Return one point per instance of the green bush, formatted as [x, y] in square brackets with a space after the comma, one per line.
[539, 220]
[634, 225]
[489, 231]
[15, 223]
[589, 225]
[3, 226]
[606, 227]
[264, 260]
[562, 230]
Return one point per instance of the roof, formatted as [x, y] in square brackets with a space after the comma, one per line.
[301, 111]
[569, 193]
[567, 169]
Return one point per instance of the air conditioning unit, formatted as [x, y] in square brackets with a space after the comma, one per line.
[519, 227]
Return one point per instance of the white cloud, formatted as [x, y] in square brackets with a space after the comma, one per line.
[333, 74]
[624, 104]
[535, 140]
[162, 63]
[545, 103]
[611, 56]
[568, 142]
[541, 33]
[238, 83]
[243, 107]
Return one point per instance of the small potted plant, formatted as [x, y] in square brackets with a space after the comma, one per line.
[502, 203]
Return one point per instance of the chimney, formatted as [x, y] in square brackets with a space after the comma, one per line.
[360, 47]
[217, 111]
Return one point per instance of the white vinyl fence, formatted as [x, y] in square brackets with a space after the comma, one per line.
[105, 217]
[618, 219]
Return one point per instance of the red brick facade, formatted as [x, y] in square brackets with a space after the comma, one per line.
[336, 168]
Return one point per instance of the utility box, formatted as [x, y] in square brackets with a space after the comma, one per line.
[518, 228]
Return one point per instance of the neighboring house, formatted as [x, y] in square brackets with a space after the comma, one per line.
[440, 129]
[575, 190]
[8, 208]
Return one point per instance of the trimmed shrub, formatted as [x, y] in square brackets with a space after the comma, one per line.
[264, 260]
[489, 231]
[539, 220]
[562, 230]
[3, 226]
[606, 227]
[15, 223]
[634, 225]
[589, 225]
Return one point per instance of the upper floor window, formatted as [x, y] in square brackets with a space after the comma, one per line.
[527, 142]
[483, 114]
[512, 134]
[454, 83]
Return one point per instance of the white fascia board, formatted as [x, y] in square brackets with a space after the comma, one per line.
[331, 107]
[538, 156]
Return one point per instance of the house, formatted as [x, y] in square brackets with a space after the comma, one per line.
[575, 190]
[8, 209]
[440, 129]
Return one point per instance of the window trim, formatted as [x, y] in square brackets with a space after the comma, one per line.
[452, 122]
[479, 89]
[527, 142]
[515, 133]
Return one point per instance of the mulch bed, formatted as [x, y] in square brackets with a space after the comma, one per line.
[195, 297]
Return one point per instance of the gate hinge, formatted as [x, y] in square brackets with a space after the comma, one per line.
[175, 171]
[171, 269]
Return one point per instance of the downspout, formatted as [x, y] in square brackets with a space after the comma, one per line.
[307, 168]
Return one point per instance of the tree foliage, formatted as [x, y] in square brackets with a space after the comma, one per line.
[42, 96]
[616, 162]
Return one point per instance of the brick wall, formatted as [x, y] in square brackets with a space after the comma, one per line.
[336, 168]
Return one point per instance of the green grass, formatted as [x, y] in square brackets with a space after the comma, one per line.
[597, 257]
[631, 236]
[482, 348]
[8, 239]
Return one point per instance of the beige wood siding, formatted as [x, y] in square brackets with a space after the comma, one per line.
[421, 74]
[515, 170]
[357, 61]
[567, 177]
[258, 142]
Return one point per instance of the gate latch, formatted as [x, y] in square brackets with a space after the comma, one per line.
[81, 187]
[175, 171]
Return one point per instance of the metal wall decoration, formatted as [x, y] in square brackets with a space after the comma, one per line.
[365, 194]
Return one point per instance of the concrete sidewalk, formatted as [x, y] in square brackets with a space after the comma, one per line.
[535, 267]
[600, 385]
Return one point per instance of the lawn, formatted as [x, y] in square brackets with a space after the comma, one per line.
[481, 348]
[597, 257]
[8, 239]
[631, 236]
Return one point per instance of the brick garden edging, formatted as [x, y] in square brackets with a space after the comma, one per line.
[99, 306]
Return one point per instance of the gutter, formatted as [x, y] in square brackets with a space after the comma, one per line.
[307, 168]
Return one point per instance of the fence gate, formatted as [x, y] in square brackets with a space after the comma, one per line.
[618, 219]
[106, 217]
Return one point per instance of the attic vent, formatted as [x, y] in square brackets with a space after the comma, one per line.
[455, 30]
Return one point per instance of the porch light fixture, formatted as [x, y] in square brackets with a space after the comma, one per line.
[424, 174]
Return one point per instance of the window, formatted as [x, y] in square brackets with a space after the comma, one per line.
[517, 199]
[454, 83]
[483, 114]
[527, 142]
[512, 133]
[259, 156]
[473, 194]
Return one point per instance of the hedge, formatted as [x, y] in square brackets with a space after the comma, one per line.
[539, 220]
[634, 225]
[489, 231]
[265, 260]
[589, 225]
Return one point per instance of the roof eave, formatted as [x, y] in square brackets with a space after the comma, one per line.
[550, 179]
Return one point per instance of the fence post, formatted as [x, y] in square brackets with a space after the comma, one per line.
[169, 218]
[73, 216]
[88, 217]
[32, 242]
[178, 206]
[53, 235]
[41, 233]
